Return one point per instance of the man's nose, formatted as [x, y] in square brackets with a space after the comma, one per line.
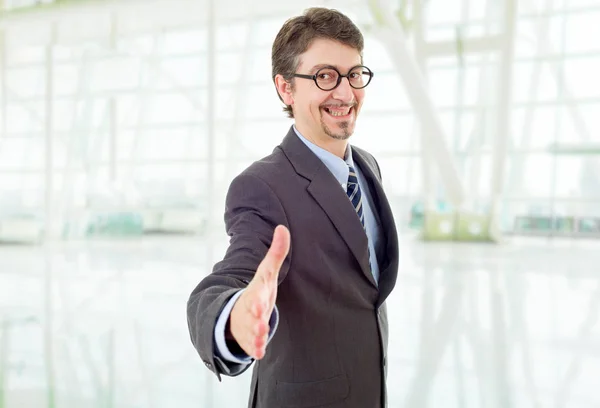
[344, 92]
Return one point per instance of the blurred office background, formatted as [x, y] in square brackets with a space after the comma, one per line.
[123, 121]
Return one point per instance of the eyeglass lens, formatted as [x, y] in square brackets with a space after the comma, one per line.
[327, 78]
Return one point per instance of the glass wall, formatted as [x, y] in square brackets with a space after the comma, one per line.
[104, 120]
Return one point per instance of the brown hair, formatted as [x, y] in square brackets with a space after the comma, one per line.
[298, 33]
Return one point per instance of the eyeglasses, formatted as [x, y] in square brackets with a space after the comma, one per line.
[329, 78]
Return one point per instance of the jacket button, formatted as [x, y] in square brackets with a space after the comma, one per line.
[207, 364]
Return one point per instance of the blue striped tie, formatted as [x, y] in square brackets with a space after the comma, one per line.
[353, 191]
[355, 196]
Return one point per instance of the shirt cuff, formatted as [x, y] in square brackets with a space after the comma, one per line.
[222, 350]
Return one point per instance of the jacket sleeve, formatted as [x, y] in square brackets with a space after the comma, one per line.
[252, 212]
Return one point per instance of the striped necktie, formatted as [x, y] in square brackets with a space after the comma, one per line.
[354, 194]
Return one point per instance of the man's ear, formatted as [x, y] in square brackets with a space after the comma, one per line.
[284, 89]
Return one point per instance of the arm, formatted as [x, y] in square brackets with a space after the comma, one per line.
[252, 212]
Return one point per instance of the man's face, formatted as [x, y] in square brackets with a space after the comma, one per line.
[326, 114]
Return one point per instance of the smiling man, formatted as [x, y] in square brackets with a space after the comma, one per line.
[313, 255]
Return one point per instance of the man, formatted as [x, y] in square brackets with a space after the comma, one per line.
[313, 252]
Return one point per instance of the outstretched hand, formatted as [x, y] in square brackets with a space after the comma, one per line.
[249, 319]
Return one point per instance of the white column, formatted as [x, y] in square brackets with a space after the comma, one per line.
[211, 159]
[3, 85]
[112, 108]
[48, 125]
[544, 46]
[211, 111]
[504, 110]
[426, 154]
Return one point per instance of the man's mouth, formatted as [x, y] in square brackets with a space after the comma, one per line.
[340, 111]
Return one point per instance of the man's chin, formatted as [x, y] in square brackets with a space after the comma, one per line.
[339, 134]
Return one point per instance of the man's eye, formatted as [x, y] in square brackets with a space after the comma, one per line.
[324, 76]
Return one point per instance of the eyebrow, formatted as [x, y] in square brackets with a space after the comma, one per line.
[319, 66]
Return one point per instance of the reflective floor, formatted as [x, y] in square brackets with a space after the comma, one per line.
[102, 324]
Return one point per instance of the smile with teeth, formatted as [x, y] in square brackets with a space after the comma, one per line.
[338, 111]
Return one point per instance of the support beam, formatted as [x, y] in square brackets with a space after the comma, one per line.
[49, 118]
[112, 108]
[391, 34]
[241, 96]
[478, 134]
[64, 202]
[3, 83]
[516, 179]
[211, 112]
[500, 147]
[426, 156]
[211, 135]
[147, 75]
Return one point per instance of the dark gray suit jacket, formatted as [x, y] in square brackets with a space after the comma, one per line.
[330, 347]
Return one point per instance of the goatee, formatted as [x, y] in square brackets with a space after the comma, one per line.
[343, 135]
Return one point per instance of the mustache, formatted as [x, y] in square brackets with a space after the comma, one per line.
[339, 105]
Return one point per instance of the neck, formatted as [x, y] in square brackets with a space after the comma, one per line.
[333, 146]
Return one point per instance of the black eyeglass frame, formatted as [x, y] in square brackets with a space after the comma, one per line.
[339, 78]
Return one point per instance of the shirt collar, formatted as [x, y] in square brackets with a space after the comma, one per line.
[337, 166]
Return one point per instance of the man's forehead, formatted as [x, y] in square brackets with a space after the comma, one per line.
[341, 64]
[329, 52]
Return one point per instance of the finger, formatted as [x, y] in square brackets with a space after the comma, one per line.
[260, 328]
[255, 346]
[260, 342]
[260, 348]
[269, 268]
[256, 337]
[259, 354]
[249, 331]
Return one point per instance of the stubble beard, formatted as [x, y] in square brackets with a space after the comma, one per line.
[345, 134]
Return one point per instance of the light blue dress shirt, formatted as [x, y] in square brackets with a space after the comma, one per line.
[339, 168]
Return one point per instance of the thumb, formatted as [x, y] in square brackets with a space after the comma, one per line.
[268, 270]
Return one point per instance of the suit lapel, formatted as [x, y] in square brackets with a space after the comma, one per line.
[335, 203]
[326, 191]
[388, 266]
